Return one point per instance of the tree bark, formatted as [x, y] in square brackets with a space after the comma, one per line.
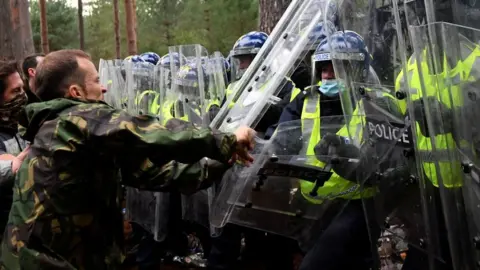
[116, 28]
[130, 25]
[167, 23]
[80, 25]
[270, 13]
[44, 27]
[208, 25]
[16, 40]
[134, 8]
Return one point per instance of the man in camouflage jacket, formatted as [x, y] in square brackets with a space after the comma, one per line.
[12, 102]
[66, 212]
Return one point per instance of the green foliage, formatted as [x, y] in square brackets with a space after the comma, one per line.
[62, 25]
[99, 30]
[216, 24]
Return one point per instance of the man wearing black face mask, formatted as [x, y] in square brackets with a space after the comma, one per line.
[13, 149]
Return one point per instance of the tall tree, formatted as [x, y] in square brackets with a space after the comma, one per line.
[270, 13]
[167, 24]
[44, 27]
[15, 30]
[61, 24]
[130, 25]
[99, 25]
[134, 7]
[208, 22]
[80, 25]
[116, 26]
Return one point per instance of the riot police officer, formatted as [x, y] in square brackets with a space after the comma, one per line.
[226, 246]
[346, 235]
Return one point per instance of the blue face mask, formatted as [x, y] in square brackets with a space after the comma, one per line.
[330, 88]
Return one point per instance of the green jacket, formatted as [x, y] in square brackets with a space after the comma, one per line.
[66, 211]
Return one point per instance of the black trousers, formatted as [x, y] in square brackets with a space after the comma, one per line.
[345, 243]
[270, 251]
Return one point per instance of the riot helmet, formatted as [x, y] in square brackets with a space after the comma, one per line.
[150, 57]
[244, 51]
[346, 47]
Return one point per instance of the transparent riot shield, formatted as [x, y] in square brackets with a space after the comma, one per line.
[267, 76]
[218, 69]
[146, 84]
[111, 77]
[268, 196]
[369, 55]
[150, 96]
[170, 101]
[146, 88]
[140, 208]
[150, 210]
[448, 64]
[217, 73]
[394, 210]
[265, 84]
[139, 78]
[191, 81]
[302, 178]
[171, 98]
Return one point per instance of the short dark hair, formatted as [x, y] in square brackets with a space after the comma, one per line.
[57, 72]
[7, 68]
[30, 62]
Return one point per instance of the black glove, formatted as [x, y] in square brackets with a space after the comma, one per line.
[215, 171]
[350, 159]
[329, 142]
[212, 112]
[333, 150]
[394, 178]
[442, 116]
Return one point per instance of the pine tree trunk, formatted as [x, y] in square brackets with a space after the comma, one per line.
[44, 27]
[167, 23]
[116, 28]
[208, 25]
[16, 40]
[131, 35]
[80, 25]
[134, 7]
[270, 13]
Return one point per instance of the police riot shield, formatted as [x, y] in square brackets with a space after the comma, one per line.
[111, 78]
[171, 98]
[302, 178]
[139, 78]
[151, 96]
[267, 76]
[150, 210]
[446, 56]
[146, 85]
[368, 53]
[165, 201]
[218, 69]
[191, 81]
[271, 195]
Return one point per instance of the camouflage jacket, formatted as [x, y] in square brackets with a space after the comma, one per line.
[66, 212]
[10, 143]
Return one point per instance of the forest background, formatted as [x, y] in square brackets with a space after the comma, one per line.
[115, 29]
